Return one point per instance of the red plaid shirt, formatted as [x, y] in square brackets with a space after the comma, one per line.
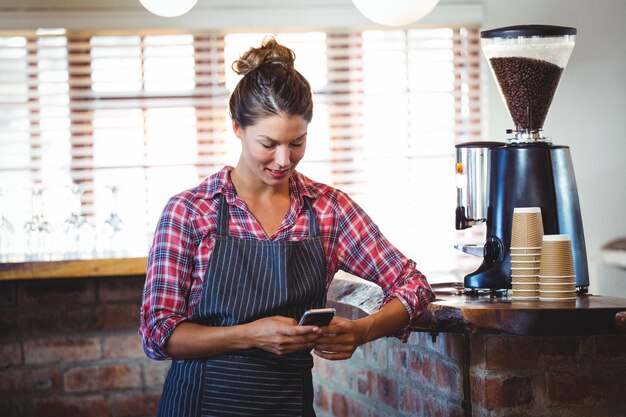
[184, 240]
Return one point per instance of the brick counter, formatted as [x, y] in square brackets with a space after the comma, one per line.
[69, 347]
[507, 375]
[470, 370]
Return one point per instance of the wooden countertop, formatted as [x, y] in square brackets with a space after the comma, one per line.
[87, 268]
[588, 314]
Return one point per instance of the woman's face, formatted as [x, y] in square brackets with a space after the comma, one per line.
[273, 147]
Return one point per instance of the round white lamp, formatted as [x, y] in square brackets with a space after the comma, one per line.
[168, 8]
[395, 12]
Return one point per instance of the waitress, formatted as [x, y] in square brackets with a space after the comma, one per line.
[237, 260]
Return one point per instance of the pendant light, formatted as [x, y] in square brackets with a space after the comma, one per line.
[168, 8]
[395, 12]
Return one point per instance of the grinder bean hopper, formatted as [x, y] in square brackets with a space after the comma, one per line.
[527, 170]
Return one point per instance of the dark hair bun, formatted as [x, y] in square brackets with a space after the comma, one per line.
[270, 52]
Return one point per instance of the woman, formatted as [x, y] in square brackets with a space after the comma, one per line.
[238, 259]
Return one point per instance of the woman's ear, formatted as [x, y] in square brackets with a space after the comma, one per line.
[238, 130]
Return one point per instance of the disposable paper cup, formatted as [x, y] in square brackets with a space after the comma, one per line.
[526, 250]
[526, 262]
[556, 280]
[556, 256]
[530, 257]
[525, 287]
[526, 227]
[524, 295]
[557, 294]
[544, 287]
[530, 279]
[556, 270]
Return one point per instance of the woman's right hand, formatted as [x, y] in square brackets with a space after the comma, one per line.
[282, 335]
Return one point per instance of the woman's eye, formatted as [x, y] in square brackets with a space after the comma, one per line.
[266, 146]
[296, 145]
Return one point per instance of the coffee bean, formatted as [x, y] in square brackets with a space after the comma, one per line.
[528, 86]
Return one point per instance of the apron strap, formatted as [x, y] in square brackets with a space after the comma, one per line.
[314, 230]
[222, 217]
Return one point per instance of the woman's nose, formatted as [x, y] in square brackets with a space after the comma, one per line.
[282, 156]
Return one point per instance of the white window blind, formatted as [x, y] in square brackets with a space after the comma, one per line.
[132, 119]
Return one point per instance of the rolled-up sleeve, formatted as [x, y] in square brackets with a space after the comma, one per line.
[168, 278]
[365, 252]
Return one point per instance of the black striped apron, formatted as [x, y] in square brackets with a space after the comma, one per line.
[247, 280]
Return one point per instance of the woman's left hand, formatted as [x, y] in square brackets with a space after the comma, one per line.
[340, 339]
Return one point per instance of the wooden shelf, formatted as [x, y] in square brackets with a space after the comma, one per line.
[87, 268]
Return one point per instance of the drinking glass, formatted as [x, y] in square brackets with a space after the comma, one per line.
[7, 231]
[77, 231]
[38, 230]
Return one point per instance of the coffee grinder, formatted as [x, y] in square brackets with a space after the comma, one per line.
[527, 170]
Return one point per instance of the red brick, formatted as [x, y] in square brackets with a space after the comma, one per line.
[517, 352]
[611, 348]
[340, 406]
[125, 346]
[341, 373]
[135, 404]
[358, 409]
[375, 354]
[420, 367]
[412, 400]
[589, 386]
[433, 408]
[322, 368]
[448, 378]
[60, 350]
[322, 399]
[9, 326]
[121, 289]
[14, 406]
[84, 319]
[387, 390]
[57, 291]
[154, 372]
[40, 321]
[30, 380]
[10, 354]
[398, 359]
[365, 381]
[478, 350]
[121, 317]
[495, 391]
[8, 294]
[453, 346]
[71, 406]
[84, 379]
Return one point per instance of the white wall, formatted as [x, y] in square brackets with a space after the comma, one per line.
[588, 114]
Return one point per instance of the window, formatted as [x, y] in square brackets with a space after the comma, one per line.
[116, 124]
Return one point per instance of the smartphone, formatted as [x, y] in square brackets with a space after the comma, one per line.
[317, 317]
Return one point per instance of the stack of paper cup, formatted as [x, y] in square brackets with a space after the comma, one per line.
[526, 238]
[557, 279]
